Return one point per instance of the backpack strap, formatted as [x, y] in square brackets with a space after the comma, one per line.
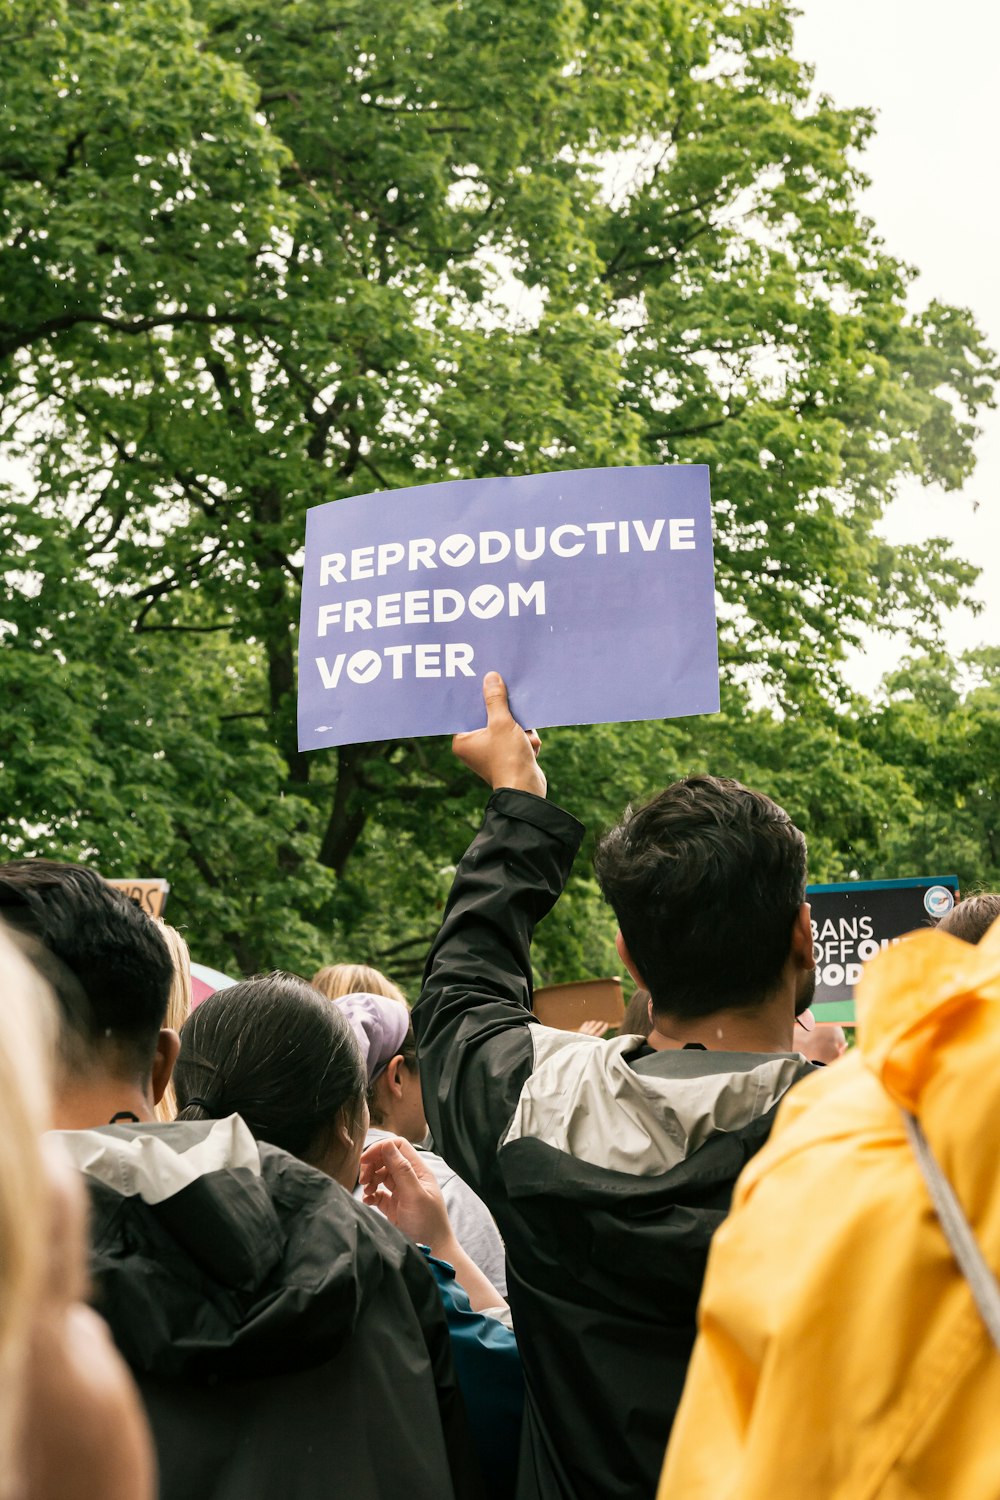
[957, 1230]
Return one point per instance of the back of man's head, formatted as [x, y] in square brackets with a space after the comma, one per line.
[105, 959]
[706, 881]
[972, 918]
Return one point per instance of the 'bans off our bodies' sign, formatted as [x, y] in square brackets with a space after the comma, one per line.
[591, 592]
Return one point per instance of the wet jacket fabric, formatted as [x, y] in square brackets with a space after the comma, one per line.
[839, 1342]
[607, 1168]
[286, 1340]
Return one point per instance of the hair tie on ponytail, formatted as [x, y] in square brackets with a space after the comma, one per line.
[210, 1106]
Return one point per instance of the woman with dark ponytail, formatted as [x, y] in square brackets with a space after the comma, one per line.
[275, 1052]
[272, 1051]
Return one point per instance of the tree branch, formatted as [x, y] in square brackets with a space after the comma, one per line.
[699, 427]
[245, 955]
[13, 338]
[411, 942]
[347, 816]
[142, 629]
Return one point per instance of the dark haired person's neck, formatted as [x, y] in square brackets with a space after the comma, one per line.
[85, 1105]
[766, 1028]
[659, 1040]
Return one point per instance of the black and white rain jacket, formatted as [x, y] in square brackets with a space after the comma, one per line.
[608, 1167]
[287, 1341]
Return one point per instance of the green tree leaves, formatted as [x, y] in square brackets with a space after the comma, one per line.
[256, 257]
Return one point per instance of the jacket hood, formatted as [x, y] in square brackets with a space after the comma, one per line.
[215, 1254]
[916, 1005]
[585, 1097]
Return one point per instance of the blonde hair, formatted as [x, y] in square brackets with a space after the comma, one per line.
[27, 1045]
[178, 1008]
[354, 979]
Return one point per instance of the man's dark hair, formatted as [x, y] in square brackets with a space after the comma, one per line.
[972, 918]
[108, 964]
[705, 880]
[275, 1051]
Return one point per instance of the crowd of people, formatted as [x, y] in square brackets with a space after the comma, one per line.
[301, 1240]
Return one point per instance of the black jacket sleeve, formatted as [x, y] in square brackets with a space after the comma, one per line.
[471, 1021]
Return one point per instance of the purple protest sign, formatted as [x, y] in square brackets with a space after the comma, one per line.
[592, 593]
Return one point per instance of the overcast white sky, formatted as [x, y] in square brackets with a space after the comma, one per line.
[929, 68]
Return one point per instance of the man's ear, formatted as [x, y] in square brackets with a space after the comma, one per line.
[393, 1081]
[627, 960]
[802, 939]
[167, 1047]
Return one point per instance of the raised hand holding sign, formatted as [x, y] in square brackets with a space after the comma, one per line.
[503, 753]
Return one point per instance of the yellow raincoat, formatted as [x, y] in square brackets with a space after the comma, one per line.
[841, 1354]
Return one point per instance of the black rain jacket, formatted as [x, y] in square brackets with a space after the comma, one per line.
[607, 1167]
[286, 1340]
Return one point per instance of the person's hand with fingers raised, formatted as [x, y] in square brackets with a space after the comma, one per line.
[396, 1181]
[503, 754]
[594, 1028]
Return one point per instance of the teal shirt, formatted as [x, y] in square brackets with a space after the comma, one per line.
[488, 1367]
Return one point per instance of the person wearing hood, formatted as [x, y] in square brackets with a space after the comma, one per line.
[384, 1032]
[284, 1338]
[609, 1165]
[856, 1274]
[276, 1053]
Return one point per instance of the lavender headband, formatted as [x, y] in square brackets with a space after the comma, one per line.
[379, 1024]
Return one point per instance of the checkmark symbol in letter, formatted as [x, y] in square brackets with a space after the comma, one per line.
[457, 550]
[364, 666]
